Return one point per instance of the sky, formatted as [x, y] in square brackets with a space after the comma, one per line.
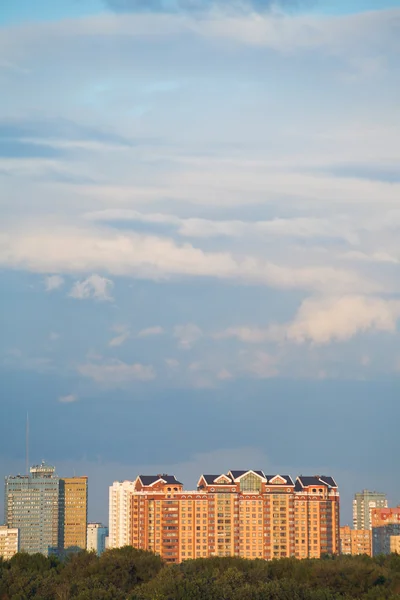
[200, 239]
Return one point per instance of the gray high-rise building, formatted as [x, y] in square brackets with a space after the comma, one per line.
[363, 504]
[32, 505]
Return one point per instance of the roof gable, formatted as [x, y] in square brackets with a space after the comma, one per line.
[237, 475]
[150, 480]
[222, 479]
[277, 480]
[214, 479]
[316, 480]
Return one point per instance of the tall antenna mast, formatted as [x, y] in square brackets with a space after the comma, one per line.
[27, 445]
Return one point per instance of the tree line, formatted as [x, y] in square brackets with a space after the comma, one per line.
[130, 574]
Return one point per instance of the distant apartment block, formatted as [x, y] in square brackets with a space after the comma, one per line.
[120, 514]
[73, 511]
[97, 534]
[385, 526]
[395, 544]
[363, 504]
[50, 512]
[9, 542]
[241, 513]
[355, 541]
[32, 506]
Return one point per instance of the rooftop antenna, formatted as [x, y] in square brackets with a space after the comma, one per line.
[27, 445]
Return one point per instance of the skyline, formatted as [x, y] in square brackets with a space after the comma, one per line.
[296, 517]
[199, 239]
[99, 482]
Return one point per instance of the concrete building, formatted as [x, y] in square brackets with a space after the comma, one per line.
[385, 525]
[120, 514]
[50, 512]
[395, 544]
[241, 513]
[32, 506]
[9, 542]
[97, 534]
[364, 502]
[355, 541]
[73, 514]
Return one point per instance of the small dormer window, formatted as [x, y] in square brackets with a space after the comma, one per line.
[168, 489]
[314, 491]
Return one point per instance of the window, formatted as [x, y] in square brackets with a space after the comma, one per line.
[250, 483]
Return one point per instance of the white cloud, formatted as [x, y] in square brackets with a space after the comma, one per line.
[210, 182]
[323, 320]
[150, 331]
[187, 335]
[120, 339]
[116, 372]
[53, 282]
[299, 227]
[377, 257]
[249, 335]
[152, 257]
[94, 286]
[68, 399]
[123, 334]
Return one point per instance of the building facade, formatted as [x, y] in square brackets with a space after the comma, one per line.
[242, 513]
[395, 544]
[120, 514]
[363, 504]
[97, 534]
[385, 525]
[50, 512]
[31, 504]
[9, 542]
[73, 514]
[355, 541]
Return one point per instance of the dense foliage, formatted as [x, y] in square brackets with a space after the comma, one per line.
[129, 574]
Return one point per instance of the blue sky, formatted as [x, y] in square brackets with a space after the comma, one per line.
[25, 10]
[199, 239]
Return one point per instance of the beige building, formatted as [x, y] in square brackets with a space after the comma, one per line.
[73, 503]
[355, 541]
[395, 544]
[97, 534]
[120, 514]
[241, 513]
[9, 541]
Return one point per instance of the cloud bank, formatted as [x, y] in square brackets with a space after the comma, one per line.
[325, 320]
[137, 255]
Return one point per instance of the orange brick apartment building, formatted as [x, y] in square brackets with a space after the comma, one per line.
[355, 541]
[242, 513]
